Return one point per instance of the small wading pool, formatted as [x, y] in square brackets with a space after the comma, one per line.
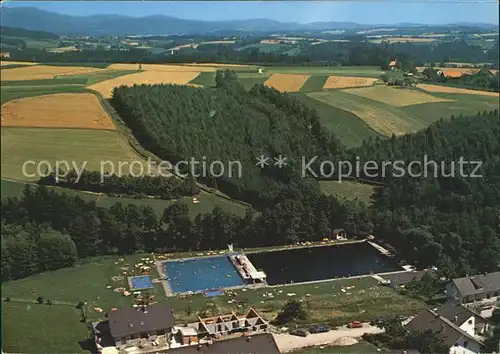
[201, 274]
[140, 282]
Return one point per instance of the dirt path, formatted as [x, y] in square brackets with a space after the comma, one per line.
[286, 342]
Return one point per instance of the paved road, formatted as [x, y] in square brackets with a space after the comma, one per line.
[286, 342]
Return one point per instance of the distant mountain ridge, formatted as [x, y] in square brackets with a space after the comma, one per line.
[118, 25]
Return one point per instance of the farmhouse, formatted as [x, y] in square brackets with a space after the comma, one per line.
[129, 326]
[476, 288]
[393, 64]
[466, 319]
[458, 340]
[4, 55]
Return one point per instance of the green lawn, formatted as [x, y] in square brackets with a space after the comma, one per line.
[348, 190]
[314, 83]
[346, 126]
[360, 348]
[206, 79]
[14, 92]
[325, 302]
[36, 328]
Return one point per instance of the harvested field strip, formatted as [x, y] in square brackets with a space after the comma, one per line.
[145, 77]
[176, 68]
[286, 82]
[63, 110]
[314, 83]
[37, 72]
[339, 82]
[73, 145]
[348, 127]
[351, 71]
[11, 93]
[448, 89]
[397, 97]
[120, 66]
[224, 65]
[26, 63]
[382, 118]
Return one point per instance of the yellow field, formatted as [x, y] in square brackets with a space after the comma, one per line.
[337, 82]
[38, 72]
[223, 65]
[448, 89]
[145, 77]
[461, 70]
[286, 82]
[396, 97]
[2, 63]
[62, 110]
[175, 68]
[120, 66]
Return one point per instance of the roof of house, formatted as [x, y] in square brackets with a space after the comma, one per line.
[406, 277]
[123, 322]
[258, 343]
[458, 314]
[479, 284]
[430, 320]
[392, 63]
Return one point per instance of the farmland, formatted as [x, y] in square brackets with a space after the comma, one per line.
[57, 111]
[37, 72]
[286, 82]
[449, 89]
[357, 71]
[396, 97]
[340, 82]
[145, 77]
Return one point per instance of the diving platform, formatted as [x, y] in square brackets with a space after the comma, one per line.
[247, 270]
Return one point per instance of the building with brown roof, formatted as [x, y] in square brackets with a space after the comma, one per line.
[131, 324]
[458, 340]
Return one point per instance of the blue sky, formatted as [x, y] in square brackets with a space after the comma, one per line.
[365, 12]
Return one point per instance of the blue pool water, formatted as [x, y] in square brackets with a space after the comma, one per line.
[141, 282]
[201, 274]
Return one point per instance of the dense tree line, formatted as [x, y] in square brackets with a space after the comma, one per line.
[484, 79]
[159, 186]
[226, 125]
[355, 52]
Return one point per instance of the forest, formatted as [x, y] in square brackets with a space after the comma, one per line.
[445, 219]
[354, 53]
[160, 186]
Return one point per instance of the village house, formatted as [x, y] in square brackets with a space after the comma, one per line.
[393, 64]
[466, 319]
[478, 288]
[129, 326]
[457, 339]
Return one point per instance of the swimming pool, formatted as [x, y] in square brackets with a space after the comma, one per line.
[201, 274]
[140, 282]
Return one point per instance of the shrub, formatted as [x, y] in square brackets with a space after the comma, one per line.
[39, 300]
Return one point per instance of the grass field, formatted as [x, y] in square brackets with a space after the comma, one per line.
[394, 96]
[382, 118]
[357, 71]
[63, 110]
[11, 93]
[326, 301]
[449, 89]
[40, 328]
[206, 79]
[314, 83]
[348, 190]
[40, 144]
[347, 126]
[207, 201]
[266, 47]
[359, 348]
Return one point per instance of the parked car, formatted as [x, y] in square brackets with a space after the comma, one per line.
[355, 324]
[299, 332]
[319, 329]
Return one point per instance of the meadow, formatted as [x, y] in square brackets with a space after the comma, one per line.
[357, 71]
[348, 190]
[207, 201]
